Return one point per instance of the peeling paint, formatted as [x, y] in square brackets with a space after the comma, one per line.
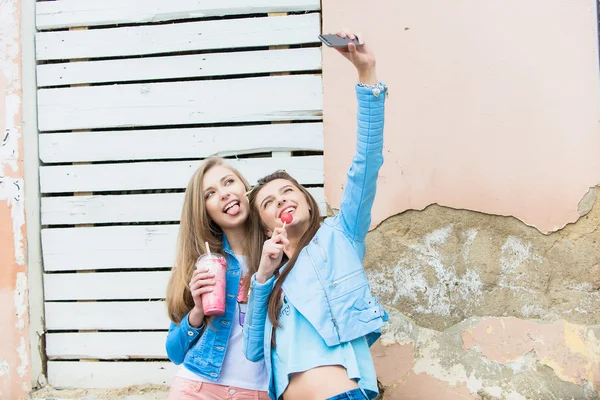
[587, 202]
[515, 253]
[20, 299]
[470, 236]
[4, 368]
[488, 358]
[24, 358]
[569, 349]
[14, 348]
[409, 276]
[11, 191]
[11, 184]
[533, 311]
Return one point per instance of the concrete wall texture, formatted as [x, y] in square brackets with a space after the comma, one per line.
[485, 248]
[14, 320]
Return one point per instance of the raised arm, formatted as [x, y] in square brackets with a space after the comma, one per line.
[361, 183]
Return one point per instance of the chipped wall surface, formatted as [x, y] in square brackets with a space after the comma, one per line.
[14, 340]
[493, 105]
[485, 307]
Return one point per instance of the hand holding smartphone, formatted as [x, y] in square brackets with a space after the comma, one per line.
[337, 41]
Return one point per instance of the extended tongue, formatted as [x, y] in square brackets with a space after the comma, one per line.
[233, 210]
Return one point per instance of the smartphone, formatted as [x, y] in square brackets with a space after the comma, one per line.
[336, 41]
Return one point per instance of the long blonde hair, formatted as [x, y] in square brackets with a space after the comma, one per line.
[195, 229]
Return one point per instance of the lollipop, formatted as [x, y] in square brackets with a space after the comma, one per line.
[286, 218]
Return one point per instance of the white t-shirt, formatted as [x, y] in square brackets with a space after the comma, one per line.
[237, 370]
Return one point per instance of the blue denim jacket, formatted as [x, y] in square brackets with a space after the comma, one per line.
[202, 350]
[328, 284]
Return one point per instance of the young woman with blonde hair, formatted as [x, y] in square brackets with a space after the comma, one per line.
[209, 349]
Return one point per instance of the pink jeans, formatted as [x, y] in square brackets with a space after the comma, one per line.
[187, 389]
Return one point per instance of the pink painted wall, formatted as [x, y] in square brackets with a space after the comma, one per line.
[493, 105]
[14, 323]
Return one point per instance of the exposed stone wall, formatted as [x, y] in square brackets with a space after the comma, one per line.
[486, 307]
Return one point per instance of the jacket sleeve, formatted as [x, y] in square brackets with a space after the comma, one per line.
[256, 318]
[359, 192]
[180, 339]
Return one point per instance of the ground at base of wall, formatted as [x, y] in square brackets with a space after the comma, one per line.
[145, 392]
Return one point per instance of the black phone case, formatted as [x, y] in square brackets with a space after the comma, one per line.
[336, 41]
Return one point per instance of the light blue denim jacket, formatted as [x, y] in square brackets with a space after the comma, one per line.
[202, 350]
[328, 284]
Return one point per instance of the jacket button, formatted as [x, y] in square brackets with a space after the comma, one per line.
[226, 323]
[220, 348]
[190, 333]
[230, 295]
[213, 374]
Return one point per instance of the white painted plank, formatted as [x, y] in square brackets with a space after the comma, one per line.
[272, 98]
[72, 13]
[127, 315]
[89, 375]
[172, 67]
[185, 143]
[166, 175]
[148, 246]
[106, 286]
[106, 345]
[188, 36]
[160, 207]
[74, 210]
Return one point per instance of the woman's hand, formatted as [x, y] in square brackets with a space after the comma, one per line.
[361, 57]
[200, 283]
[272, 254]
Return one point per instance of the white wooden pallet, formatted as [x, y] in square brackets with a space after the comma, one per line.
[127, 111]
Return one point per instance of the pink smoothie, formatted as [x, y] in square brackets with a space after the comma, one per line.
[213, 302]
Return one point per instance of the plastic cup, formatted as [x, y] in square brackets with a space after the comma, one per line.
[213, 302]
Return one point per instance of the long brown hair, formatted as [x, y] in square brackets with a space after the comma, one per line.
[313, 227]
[196, 228]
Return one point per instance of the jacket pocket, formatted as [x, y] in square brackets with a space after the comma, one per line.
[368, 308]
[348, 283]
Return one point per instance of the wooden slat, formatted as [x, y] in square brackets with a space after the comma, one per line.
[72, 13]
[166, 175]
[186, 143]
[88, 375]
[106, 345]
[68, 249]
[106, 286]
[272, 98]
[172, 67]
[71, 210]
[189, 36]
[75, 210]
[127, 315]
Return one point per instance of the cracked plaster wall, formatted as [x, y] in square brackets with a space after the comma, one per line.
[485, 307]
[485, 248]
